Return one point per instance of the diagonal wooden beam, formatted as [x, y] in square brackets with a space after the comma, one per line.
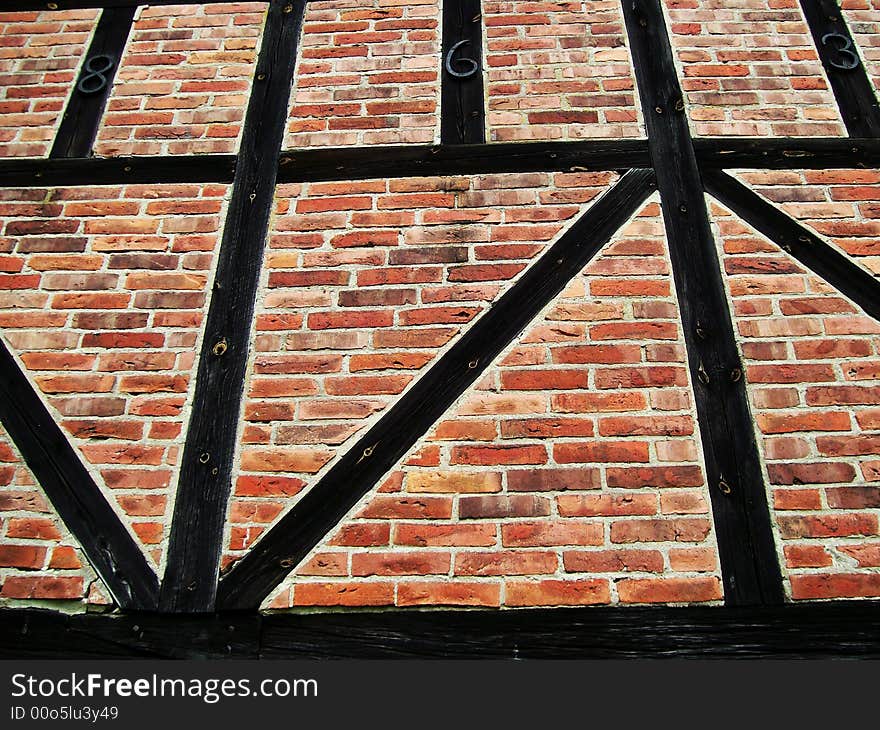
[205, 479]
[283, 546]
[803, 244]
[749, 564]
[84, 510]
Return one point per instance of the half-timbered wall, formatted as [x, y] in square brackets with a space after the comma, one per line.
[272, 336]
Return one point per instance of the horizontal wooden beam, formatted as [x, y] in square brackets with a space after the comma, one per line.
[783, 154]
[361, 163]
[796, 239]
[844, 630]
[83, 509]
[10, 6]
[62, 172]
[322, 507]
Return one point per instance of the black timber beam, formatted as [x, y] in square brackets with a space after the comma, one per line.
[462, 101]
[746, 547]
[83, 509]
[195, 545]
[365, 163]
[799, 241]
[789, 153]
[849, 81]
[85, 107]
[837, 629]
[117, 171]
[285, 544]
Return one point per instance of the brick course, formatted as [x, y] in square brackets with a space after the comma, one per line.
[863, 19]
[39, 60]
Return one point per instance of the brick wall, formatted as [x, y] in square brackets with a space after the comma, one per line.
[184, 80]
[368, 74]
[365, 283]
[558, 70]
[749, 67]
[569, 475]
[814, 381]
[102, 297]
[39, 58]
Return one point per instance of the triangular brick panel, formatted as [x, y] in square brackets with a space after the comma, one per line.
[365, 285]
[102, 298]
[39, 559]
[569, 475]
[812, 363]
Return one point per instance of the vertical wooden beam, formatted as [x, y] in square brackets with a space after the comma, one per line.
[83, 509]
[192, 568]
[462, 104]
[736, 482]
[855, 96]
[322, 507]
[82, 116]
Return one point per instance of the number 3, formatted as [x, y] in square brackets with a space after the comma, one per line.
[845, 49]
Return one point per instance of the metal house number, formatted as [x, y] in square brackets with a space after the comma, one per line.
[471, 63]
[844, 47]
[93, 79]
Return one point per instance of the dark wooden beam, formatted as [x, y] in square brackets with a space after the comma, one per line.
[784, 154]
[462, 102]
[117, 171]
[195, 545]
[363, 163]
[284, 545]
[803, 244]
[82, 115]
[839, 55]
[83, 509]
[838, 629]
[733, 468]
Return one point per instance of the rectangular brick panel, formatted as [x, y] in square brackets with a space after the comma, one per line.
[813, 367]
[750, 68]
[573, 463]
[368, 73]
[559, 70]
[184, 80]
[102, 295]
[39, 61]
